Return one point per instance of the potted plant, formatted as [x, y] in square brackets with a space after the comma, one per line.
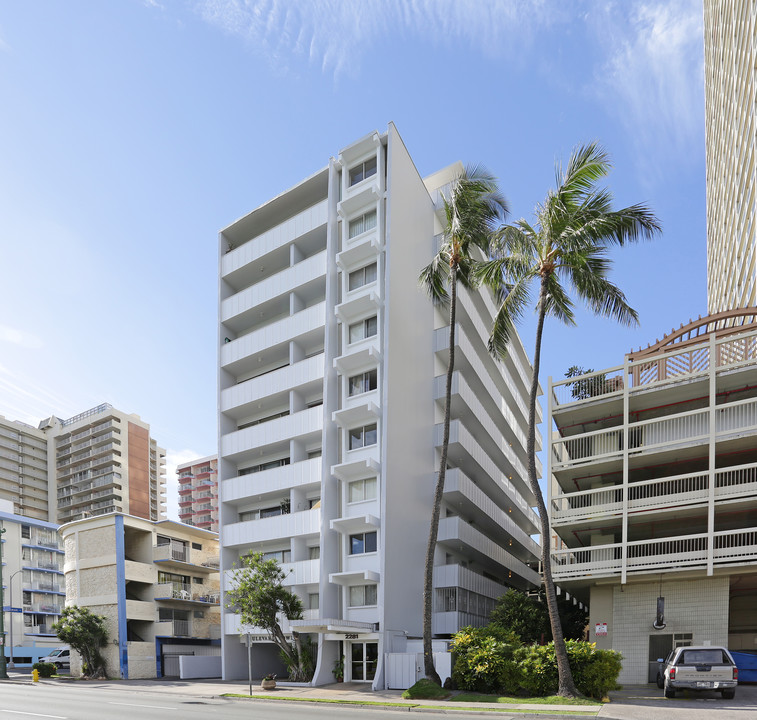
[269, 682]
[339, 669]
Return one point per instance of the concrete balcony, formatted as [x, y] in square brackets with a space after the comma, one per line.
[238, 356]
[491, 430]
[461, 493]
[515, 366]
[466, 453]
[497, 391]
[239, 400]
[729, 548]
[140, 572]
[302, 572]
[275, 238]
[459, 576]
[455, 532]
[140, 610]
[665, 494]
[281, 430]
[732, 421]
[271, 296]
[239, 489]
[281, 527]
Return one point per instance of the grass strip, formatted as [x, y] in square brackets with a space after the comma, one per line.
[507, 699]
[534, 711]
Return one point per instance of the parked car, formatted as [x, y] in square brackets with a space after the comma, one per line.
[61, 658]
[698, 667]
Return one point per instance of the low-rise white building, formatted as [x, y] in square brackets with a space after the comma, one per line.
[654, 476]
[331, 381]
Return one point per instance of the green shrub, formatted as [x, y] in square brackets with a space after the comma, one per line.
[45, 669]
[595, 672]
[425, 689]
[484, 659]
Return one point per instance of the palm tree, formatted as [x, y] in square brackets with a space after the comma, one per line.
[565, 250]
[473, 210]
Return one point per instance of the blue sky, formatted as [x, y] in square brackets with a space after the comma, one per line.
[131, 131]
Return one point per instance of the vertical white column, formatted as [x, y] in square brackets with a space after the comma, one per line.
[712, 376]
[624, 527]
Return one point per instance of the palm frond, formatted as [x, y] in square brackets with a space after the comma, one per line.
[435, 276]
[511, 310]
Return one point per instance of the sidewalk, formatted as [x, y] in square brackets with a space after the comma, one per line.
[353, 693]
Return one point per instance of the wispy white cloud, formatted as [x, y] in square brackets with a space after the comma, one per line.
[335, 35]
[19, 337]
[646, 54]
[653, 70]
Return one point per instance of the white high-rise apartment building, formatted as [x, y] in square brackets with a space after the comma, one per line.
[332, 364]
[730, 42]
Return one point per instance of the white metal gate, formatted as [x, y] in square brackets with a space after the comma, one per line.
[405, 669]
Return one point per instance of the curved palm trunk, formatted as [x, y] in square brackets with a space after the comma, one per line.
[566, 686]
[428, 578]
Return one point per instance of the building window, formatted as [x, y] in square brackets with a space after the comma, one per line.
[314, 601]
[280, 556]
[364, 382]
[196, 546]
[26, 532]
[314, 552]
[363, 329]
[364, 276]
[362, 595]
[264, 466]
[362, 224]
[361, 490]
[197, 580]
[363, 436]
[362, 171]
[362, 543]
[199, 614]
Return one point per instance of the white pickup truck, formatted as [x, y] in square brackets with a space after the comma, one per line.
[700, 667]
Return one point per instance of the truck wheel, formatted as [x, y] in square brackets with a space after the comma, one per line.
[660, 681]
[728, 694]
[669, 692]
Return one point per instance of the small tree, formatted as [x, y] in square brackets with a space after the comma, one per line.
[258, 595]
[528, 617]
[85, 632]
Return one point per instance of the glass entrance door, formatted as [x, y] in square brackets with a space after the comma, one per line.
[363, 661]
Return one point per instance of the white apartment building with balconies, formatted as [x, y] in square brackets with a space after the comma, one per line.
[331, 398]
[653, 469]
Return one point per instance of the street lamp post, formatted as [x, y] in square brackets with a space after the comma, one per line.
[3, 671]
[11, 664]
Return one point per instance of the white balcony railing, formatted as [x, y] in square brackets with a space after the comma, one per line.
[730, 418]
[656, 555]
[733, 482]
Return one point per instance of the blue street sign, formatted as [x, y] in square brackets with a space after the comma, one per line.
[12, 610]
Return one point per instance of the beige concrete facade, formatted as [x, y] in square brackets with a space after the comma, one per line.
[152, 581]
